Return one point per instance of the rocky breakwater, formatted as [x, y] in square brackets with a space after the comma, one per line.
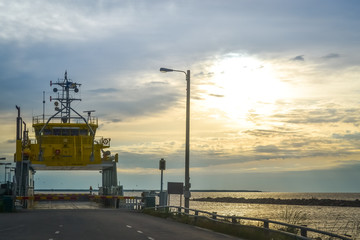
[303, 202]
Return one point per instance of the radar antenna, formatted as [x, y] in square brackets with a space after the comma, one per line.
[89, 114]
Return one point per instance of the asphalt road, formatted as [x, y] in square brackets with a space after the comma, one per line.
[70, 224]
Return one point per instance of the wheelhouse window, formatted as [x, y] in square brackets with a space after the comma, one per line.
[60, 131]
[74, 132]
[83, 132]
[57, 132]
[65, 132]
[47, 132]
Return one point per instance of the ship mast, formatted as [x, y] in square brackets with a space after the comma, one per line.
[65, 98]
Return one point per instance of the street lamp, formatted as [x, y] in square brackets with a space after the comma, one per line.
[187, 141]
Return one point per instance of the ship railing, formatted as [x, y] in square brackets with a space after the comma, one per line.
[268, 225]
[99, 140]
[43, 119]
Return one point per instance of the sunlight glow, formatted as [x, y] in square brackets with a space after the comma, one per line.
[241, 85]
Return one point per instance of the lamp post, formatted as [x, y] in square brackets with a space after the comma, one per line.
[187, 141]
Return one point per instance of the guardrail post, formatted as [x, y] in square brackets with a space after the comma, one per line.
[266, 224]
[233, 220]
[303, 231]
[196, 215]
[179, 211]
[214, 215]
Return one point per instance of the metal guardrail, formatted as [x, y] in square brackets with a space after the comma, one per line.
[265, 222]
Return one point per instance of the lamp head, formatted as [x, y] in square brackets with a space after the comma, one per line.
[166, 70]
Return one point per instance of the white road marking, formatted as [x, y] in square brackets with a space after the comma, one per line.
[128, 226]
[139, 231]
[57, 232]
[150, 238]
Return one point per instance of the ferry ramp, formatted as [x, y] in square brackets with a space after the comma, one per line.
[66, 205]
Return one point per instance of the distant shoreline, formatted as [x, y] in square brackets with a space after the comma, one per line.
[278, 201]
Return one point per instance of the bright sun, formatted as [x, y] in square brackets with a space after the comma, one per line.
[240, 85]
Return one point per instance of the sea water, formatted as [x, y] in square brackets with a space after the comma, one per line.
[339, 220]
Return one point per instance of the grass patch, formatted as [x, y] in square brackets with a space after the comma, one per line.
[294, 217]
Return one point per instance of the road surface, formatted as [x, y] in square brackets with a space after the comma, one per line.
[70, 224]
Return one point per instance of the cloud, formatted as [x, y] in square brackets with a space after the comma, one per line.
[331, 56]
[116, 120]
[267, 149]
[349, 137]
[141, 101]
[298, 58]
[270, 133]
[105, 90]
[317, 116]
[216, 95]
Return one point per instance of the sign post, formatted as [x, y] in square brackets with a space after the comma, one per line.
[176, 188]
[162, 167]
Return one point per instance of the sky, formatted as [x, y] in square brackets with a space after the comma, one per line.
[275, 90]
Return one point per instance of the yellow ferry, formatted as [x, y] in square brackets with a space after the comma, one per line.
[64, 141]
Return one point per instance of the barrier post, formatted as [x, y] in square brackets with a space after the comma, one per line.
[303, 231]
[266, 224]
